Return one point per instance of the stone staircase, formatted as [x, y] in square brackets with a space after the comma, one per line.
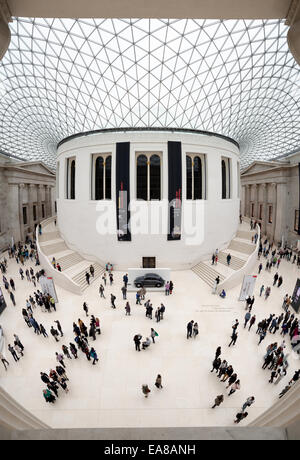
[80, 277]
[73, 265]
[240, 248]
[235, 264]
[207, 273]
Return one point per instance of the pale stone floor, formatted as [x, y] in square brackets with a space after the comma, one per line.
[109, 394]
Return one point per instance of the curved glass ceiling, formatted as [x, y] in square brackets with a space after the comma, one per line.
[62, 76]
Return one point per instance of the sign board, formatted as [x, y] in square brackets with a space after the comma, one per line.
[48, 287]
[296, 297]
[247, 286]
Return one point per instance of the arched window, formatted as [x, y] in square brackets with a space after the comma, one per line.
[102, 177]
[73, 172]
[189, 178]
[155, 177]
[99, 179]
[148, 176]
[142, 178]
[108, 178]
[224, 180]
[195, 177]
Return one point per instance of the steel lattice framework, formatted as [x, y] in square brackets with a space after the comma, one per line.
[62, 76]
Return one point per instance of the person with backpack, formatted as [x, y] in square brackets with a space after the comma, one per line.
[153, 334]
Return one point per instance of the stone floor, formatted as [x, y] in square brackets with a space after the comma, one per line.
[109, 394]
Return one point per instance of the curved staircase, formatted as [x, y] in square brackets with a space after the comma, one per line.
[73, 265]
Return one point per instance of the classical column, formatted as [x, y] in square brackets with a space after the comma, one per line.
[5, 35]
[281, 212]
[264, 210]
[20, 199]
[255, 199]
[274, 206]
[247, 200]
[39, 202]
[48, 201]
[31, 200]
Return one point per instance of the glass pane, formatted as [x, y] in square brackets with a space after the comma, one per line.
[155, 177]
[224, 185]
[99, 179]
[141, 178]
[189, 178]
[197, 178]
[108, 178]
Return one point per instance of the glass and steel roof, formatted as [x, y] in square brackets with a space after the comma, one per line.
[65, 76]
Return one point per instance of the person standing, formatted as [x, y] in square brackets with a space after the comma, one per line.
[280, 281]
[92, 271]
[216, 283]
[228, 259]
[146, 390]
[125, 280]
[85, 309]
[94, 356]
[190, 329]
[216, 364]
[153, 334]
[218, 352]
[240, 416]
[87, 277]
[261, 290]
[12, 298]
[112, 300]
[219, 399]
[262, 335]
[158, 382]
[101, 291]
[73, 350]
[60, 359]
[137, 340]
[127, 309]
[124, 292]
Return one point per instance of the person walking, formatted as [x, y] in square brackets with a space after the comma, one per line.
[60, 359]
[262, 335]
[153, 334]
[94, 356]
[87, 277]
[124, 292]
[247, 318]
[234, 387]
[66, 351]
[228, 259]
[233, 338]
[92, 271]
[158, 382]
[252, 321]
[218, 401]
[216, 364]
[4, 361]
[112, 300]
[240, 416]
[73, 350]
[59, 328]
[218, 352]
[249, 401]
[12, 298]
[280, 281]
[261, 290]
[13, 352]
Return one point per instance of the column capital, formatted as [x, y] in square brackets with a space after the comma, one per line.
[22, 186]
[32, 186]
[263, 186]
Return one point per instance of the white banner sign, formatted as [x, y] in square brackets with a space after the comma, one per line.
[48, 287]
[248, 286]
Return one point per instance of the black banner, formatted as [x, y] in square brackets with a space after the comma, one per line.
[296, 297]
[123, 190]
[175, 190]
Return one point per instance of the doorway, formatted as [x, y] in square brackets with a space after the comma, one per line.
[149, 262]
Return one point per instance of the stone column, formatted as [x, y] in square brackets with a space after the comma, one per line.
[274, 205]
[5, 35]
[256, 210]
[39, 202]
[48, 201]
[247, 200]
[264, 210]
[31, 200]
[281, 212]
[20, 200]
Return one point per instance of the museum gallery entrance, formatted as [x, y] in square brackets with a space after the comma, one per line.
[149, 262]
